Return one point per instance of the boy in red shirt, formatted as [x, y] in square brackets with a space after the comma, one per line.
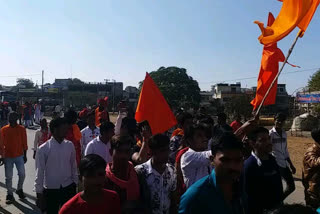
[94, 199]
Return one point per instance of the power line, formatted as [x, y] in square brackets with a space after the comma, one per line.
[25, 75]
[247, 78]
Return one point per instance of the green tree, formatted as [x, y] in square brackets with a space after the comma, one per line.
[239, 105]
[179, 89]
[314, 82]
[27, 83]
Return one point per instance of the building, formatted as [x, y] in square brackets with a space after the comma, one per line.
[224, 92]
[206, 97]
[131, 95]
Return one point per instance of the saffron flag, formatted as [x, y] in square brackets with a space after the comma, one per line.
[304, 23]
[154, 108]
[271, 56]
[292, 13]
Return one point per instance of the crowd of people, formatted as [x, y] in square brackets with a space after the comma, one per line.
[86, 164]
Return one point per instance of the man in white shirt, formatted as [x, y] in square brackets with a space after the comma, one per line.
[278, 139]
[195, 162]
[56, 169]
[89, 133]
[101, 145]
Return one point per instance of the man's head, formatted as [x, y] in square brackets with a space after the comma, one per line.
[92, 172]
[91, 119]
[101, 104]
[315, 134]
[107, 130]
[279, 120]
[196, 137]
[59, 128]
[120, 148]
[159, 147]
[184, 120]
[222, 118]
[128, 127]
[43, 123]
[71, 116]
[13, 117]
[227, 157]
[259, 140]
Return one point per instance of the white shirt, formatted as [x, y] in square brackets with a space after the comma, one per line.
[279, 147]
[160, 186]
[55, 165]
[96, 146]
[87, 135]
[195, 165]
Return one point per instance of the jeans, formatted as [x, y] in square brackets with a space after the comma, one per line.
[8, 167]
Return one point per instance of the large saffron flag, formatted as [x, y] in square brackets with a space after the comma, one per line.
[291, 14]
[153, 107]
[271, 56]
[304, 23]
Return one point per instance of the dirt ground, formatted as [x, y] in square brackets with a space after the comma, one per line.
[297, 147]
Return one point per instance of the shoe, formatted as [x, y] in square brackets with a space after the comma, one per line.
[21, 194]
[9, 199]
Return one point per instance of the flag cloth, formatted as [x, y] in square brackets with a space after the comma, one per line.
[304, 23]
[271, 56]
[154, 108]
[291, 14]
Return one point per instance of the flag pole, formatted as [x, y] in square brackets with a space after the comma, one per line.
[276, 77]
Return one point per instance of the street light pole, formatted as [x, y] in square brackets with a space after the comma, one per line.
[113, 96]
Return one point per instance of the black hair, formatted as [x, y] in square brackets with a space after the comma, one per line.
[13, 113]
[315, 134]
[280, 116]
[90, 163]
[106, 126]
[158, 141]
[222, 115]
[192, 130]
[71, 116]
[56, 123]
[119, 140]
[254, 133]
[227, 141]
[207, 120]
[293, 209]
[183, 116]
[91, 113]
[130, 124]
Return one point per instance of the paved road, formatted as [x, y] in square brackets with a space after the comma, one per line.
[27, 206]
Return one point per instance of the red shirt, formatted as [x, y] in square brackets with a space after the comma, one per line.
[76, 205]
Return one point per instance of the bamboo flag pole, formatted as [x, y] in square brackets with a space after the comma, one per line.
[275, 79]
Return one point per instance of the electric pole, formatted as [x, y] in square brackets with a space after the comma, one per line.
[42, 74]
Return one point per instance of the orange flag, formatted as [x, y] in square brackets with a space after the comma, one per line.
[291, 14]
[154, 108]
[271, 56]
[304, 23]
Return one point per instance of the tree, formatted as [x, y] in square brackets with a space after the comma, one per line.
[179, 89]
[239, 105]
[314, 82]
[27, 83]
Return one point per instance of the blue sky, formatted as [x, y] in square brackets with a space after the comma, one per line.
[122, 39]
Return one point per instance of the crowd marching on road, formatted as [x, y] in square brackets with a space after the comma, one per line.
[85, 164]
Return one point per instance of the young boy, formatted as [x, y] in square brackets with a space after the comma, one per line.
[41, 136]
[89, 133]
[56, 169]
[278, 138]
[120, 174]
[262, 176]
[310, 171]
[195, 162]
[157, 178]
[13, 146]
[101, 145]
[220, 192]
[94, 198]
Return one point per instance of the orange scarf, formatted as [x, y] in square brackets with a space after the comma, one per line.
[177, 132]
[76, 132]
